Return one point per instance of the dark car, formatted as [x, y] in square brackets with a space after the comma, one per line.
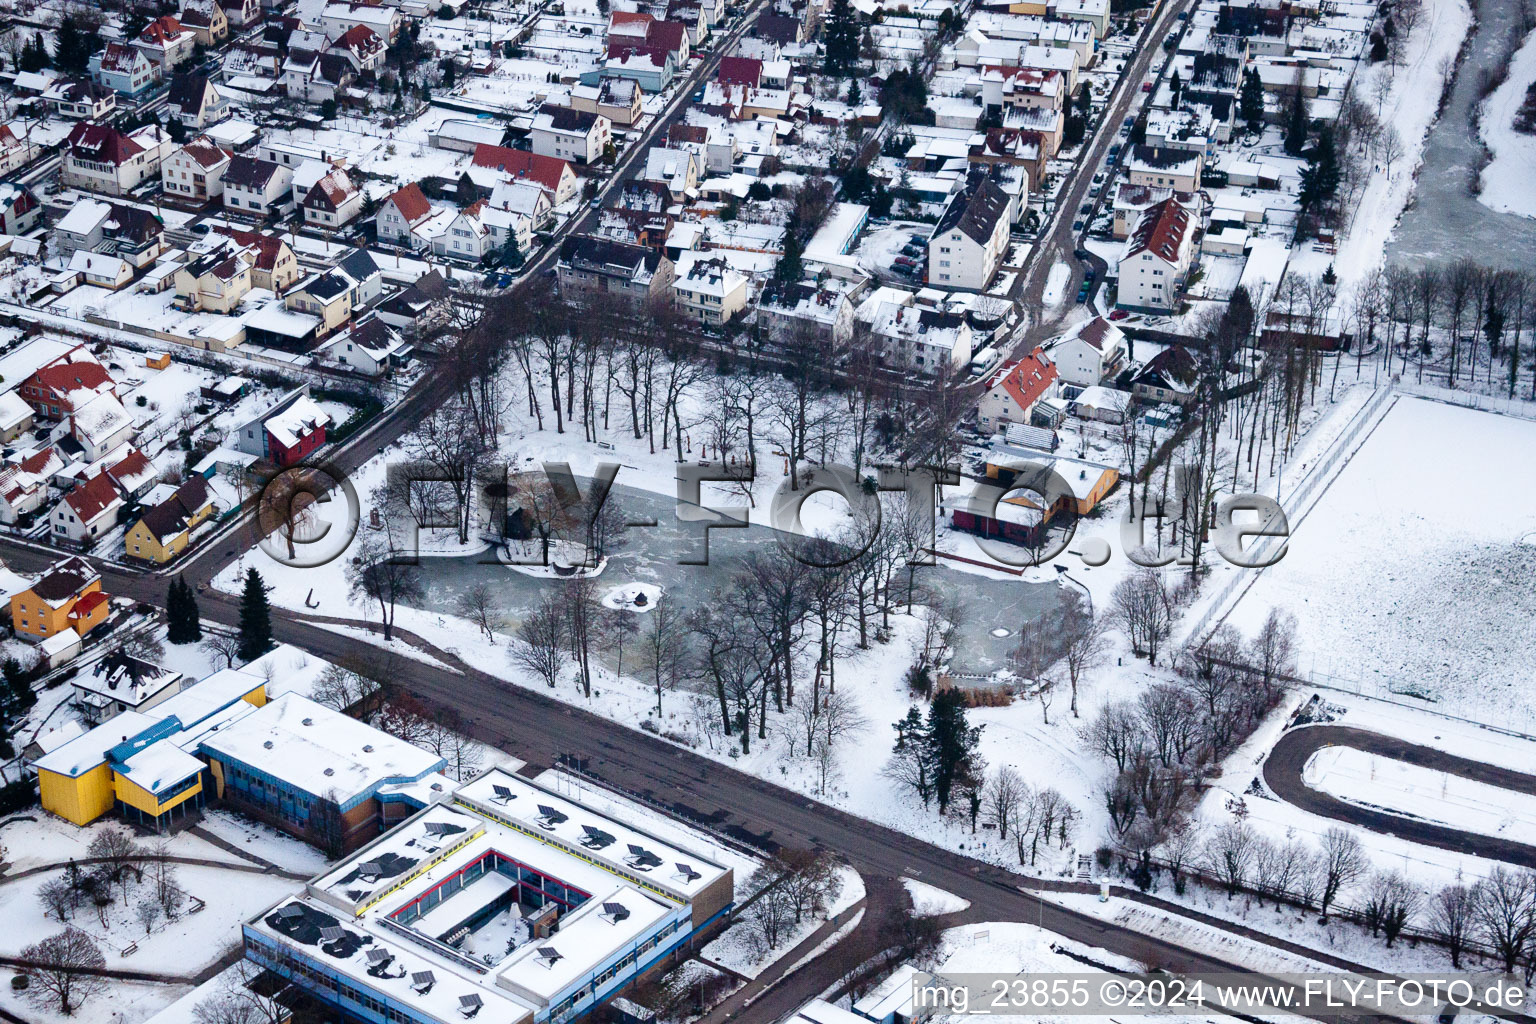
[1077, 225]
[1085, 208]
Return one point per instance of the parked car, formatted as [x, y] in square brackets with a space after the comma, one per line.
[1085, 209]
[1119, 314]
[919, 240]
[905, 261]
[1077, 225]
[1146, 86]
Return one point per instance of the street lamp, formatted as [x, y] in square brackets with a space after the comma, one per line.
[1061, 571]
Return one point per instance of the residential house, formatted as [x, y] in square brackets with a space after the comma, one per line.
[119, 683]
[194, 99]
[101, 425]
[80, 100]
[1131, 201]
[134, 234]
[361, 47]
[521, 199]
[22, 491]
[273, 265]
[131, 471]
[16, 416]
[1105, 405]
[258, 188]
[968, 244]
[333, 201]
[676, 169]
[590, 266]
[465, 236]
[617, 99]
[568, 134]
[1010, 394]
[82, 227]
[164, 530]
[708, 290]
[88, 512]
[287, 431]
[19, 209]
[216, 281]
[124, 69]
[67, 596]
[327, 296]
[99, 270]
[824, 309]
[1089, 352]
[492, 165]
[207, 21]
[918, 339]
[370, 347]
[417, 308]
[241, 13]
[166, 43]
[195, 172]
[650, 68]
[400, 214]
[58, 388]
[746, 71]
[1170, 376]
[1178, 169]
[1157, 258]
[383, 20]
[99, 158]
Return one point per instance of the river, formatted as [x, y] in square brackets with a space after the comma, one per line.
[1444, 222]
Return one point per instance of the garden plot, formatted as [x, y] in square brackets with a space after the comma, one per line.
[1412, 791]
[1414, 572]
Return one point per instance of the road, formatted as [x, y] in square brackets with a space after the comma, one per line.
[1058, 242]
[1286, 762]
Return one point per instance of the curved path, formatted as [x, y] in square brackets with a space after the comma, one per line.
[1288, 759]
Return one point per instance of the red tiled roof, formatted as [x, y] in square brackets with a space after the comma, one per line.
[517, 163]
[162, 30]
[101, 143]
[90, 499]
[1029, 378]
[740, 71]
[1160, 231]
[62, 377]
[88, 604]
[360, 38]
[411, 202]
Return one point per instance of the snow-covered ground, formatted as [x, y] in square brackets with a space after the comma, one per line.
[1506, 179]
[743, 949]
[931, 901]
[1056, 284]
[1358, 777]
[1414, 572]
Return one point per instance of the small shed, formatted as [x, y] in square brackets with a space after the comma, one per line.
[157, 360]
[61, 648]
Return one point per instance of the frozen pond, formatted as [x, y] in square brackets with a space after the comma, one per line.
[1445, 222]
[650, 555]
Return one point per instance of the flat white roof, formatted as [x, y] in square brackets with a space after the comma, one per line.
[317, 750]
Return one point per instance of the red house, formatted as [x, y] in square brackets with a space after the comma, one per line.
[295, 432]
[68, 383]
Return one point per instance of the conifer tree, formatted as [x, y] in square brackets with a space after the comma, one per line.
[255, 618]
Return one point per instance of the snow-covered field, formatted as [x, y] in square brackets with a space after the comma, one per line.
[1414, 573]
[931, 901]
[1506, 180]
[1421, 793]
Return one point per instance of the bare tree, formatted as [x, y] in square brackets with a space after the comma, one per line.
[541, 641]
[478, 605]
[1230, 855]
[1506, 914]
[837, 720]
[1390, 902]
[1083, 646]
[342, 689]
[222, 645]
[59, 970]
[57, 897]
[240, 1000]
[1343, 864]
[1274, 649]
[378, 574]
[1117, 733]
[147, 912]
[664, 647]
[1452, 919]
[1141, 607]
[1005, 792]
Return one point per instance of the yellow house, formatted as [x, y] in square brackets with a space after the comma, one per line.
[67, 596]
[1073, 484]
[165, 530]
[146, 765]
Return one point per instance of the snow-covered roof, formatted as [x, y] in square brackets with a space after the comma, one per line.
[101, 417]
[14, 411]
[318, 750]
[81, 755]
[300, 419]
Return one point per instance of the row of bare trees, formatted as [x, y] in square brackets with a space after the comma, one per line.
[1495, 915]
[1162, 741]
